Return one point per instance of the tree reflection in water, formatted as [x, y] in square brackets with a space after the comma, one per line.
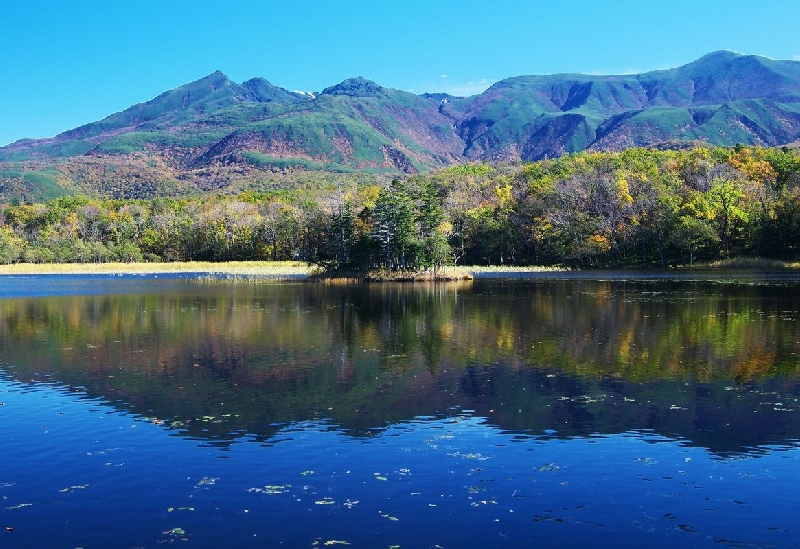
[711, 363]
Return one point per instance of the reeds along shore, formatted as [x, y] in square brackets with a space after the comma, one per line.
[246, 268]
[261, 269]
[294, 269]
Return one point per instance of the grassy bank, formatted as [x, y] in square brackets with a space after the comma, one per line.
[244, 268]
[277, 269]
[748, 263]
[477, 269]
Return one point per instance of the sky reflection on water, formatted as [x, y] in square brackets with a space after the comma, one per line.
[73, 468]
[491, 415]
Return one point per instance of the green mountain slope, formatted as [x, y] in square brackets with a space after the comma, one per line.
[356, 124]
[214, 128]
[723, 98]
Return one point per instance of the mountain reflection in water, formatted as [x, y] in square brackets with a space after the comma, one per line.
[708, 363]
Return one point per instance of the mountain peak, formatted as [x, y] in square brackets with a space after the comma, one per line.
[264, 91]
[216, 76]
[717, 60]
[721, 55]
[355, 87]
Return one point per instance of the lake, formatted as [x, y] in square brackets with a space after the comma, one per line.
[560, 410]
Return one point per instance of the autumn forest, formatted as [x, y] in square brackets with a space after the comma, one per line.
[635, 208]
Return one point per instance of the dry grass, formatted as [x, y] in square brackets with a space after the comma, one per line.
[278, 269]
[444, 275]
[510, 269]
[243, 268]
[449, 273]
[756, 263]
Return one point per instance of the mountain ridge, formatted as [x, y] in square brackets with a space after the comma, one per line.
[722, 98]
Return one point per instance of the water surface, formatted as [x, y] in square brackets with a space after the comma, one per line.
[551, 411]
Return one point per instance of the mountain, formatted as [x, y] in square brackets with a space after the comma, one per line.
[201, 135]
[723, 98]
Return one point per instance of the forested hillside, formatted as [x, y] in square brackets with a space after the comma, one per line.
[637, 207]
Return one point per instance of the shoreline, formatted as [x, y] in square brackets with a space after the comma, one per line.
[299, 269]
[243, 268]
[247, 268]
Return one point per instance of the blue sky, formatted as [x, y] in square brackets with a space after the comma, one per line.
[65, 63]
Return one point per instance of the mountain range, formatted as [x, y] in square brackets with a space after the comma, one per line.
[192, 132]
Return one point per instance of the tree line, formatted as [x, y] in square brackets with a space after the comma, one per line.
[633, 208]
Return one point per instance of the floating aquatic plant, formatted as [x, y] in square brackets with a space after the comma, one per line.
[325, 501]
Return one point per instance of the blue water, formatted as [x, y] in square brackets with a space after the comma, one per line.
[19, 286]
[87, 465]
[76, 473]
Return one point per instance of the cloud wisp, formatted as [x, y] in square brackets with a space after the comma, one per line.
[452, 86]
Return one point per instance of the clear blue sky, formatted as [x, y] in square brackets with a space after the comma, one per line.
[65, 63]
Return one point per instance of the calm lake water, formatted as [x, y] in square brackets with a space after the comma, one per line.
[565, 411]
